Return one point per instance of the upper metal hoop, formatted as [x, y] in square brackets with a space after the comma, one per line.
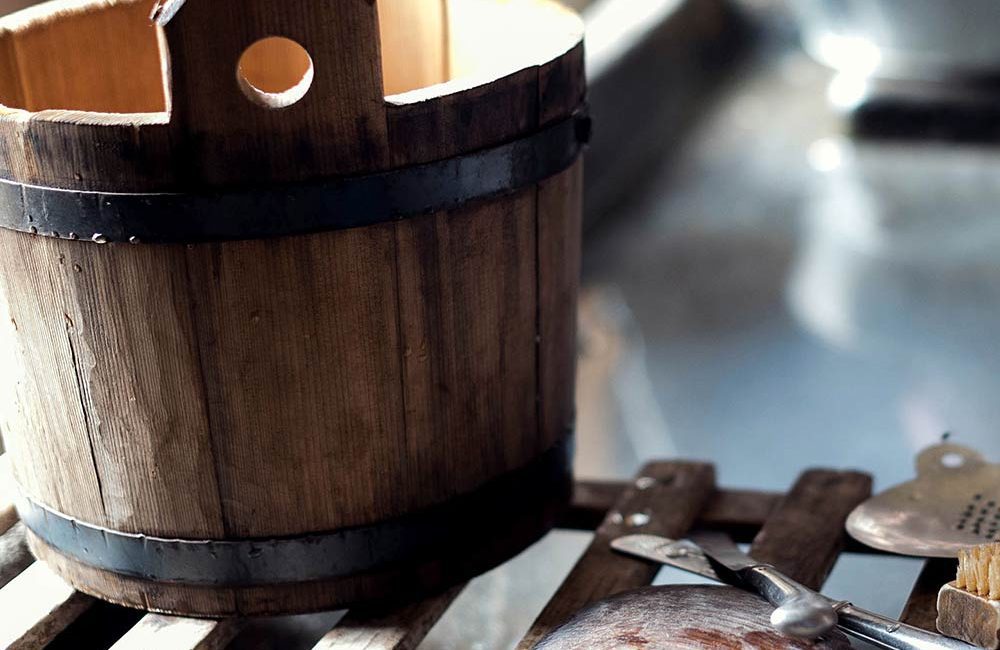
[295, 209]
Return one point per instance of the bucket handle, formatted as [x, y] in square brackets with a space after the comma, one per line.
[341, 108]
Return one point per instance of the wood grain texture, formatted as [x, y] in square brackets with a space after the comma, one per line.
[80, 58]
[299, 345]
[337, 127]
[422, 131]
[43, 414]
[11, 93]
[160, 632]
[921, 606]
[68, 147]
[741, 513]
[562, 86]
[560, 212]
[591, 502]
[676, 617]
[672, 503]
[967, 616]
[804, 536]
[36, 606]
[467, 321]
[402, 628]
[122, 349]
[14, 554]
[299, 384]
[414, 39]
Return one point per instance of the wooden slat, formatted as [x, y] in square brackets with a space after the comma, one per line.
[804, 536]
[921, 606]
[8, 516]
[591, 502]
[741, 513]
[36, 606]
[401, 629]
[467, 322]
[14, 554]
[559, 209]
[671, 503]
[177, 633]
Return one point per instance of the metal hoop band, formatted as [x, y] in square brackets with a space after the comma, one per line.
[328, 204]
[456, 527]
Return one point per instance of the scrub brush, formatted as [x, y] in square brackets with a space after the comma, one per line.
[969, 607]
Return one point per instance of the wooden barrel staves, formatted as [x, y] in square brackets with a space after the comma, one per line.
[287, 292]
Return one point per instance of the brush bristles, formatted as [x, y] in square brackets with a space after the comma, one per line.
[979, 570]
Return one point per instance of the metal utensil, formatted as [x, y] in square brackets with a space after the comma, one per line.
[953, 503]
[798, 611]
[876, 629]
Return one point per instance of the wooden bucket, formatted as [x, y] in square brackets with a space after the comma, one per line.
[287, 329]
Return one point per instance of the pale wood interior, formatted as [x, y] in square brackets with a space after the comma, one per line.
[103, 56]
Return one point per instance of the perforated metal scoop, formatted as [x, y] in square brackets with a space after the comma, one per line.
[953, 503]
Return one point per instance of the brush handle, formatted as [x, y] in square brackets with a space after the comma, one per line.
[885, 632]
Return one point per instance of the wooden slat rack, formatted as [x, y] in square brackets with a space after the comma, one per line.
[801, 532]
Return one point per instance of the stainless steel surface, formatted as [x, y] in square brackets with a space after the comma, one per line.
[916, 39]
[880, 631]
[798, 610]
[681, 553]
[950, 505]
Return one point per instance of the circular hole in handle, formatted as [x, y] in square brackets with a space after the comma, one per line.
[948, 457]
[952, 460]
[275, 72]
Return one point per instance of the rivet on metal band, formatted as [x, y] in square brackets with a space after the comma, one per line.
[293, 209]
[464, 523]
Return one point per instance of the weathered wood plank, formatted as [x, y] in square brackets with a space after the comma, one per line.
[741, 513]
[804, 536]
[559, 209]
[467, 325]
[665, 505]
[401, 629]
[36, 606]
[177, 633]
[921, 606]
[14, 554]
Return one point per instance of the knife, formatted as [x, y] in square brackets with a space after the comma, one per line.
[798, 611]
[874, 628]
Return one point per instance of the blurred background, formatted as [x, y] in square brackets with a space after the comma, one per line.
[790, 260]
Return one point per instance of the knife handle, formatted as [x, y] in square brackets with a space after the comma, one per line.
[885, 632]
[799, 611]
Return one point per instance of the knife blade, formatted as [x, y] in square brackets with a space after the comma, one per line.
[878, 630]
[798, 611]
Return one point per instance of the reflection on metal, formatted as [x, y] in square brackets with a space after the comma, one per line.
[953, 503]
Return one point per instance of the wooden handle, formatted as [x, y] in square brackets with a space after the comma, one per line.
[337, 125]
